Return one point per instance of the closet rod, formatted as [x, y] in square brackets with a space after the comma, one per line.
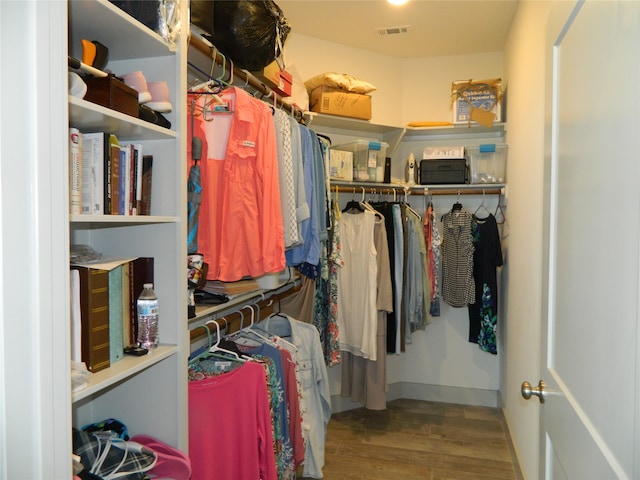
[234, 318]
[244, 75]
[399, 190]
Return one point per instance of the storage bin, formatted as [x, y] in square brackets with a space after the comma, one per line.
[487, 163]
[368, 159]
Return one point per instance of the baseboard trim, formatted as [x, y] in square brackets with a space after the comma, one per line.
[431, 393]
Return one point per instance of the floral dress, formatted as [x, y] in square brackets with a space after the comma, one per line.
[483, 314]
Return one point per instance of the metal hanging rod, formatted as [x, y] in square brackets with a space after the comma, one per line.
[425, 190]
[244, 75]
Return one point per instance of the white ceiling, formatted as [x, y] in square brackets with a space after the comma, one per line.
[436, 27]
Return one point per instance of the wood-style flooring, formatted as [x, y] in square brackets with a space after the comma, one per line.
[414, 439]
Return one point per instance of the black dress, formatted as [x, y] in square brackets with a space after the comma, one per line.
[483, 314]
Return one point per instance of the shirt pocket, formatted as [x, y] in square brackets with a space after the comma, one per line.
[305, 372]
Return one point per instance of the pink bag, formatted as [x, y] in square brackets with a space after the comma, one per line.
[172, 463]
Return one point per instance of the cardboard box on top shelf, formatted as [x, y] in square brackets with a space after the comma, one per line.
[477, 101]
[280, 81]
[334, 101]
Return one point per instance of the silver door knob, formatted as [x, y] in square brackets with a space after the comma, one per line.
[527, 390]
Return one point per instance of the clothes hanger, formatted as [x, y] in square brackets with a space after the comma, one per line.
[406, 203]
[205, 353]
[457, 205]
[283, 317]
[353, 206]
[336, 205]
[500, 214]
[254, 329]
[455, 208]
[482, 206]
[216, 348]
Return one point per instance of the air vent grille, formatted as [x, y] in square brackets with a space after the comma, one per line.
[385, 31]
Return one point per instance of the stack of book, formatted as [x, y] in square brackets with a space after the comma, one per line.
[103, 308]
[107, 177]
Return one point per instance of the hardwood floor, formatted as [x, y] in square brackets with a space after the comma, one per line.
[419, 440]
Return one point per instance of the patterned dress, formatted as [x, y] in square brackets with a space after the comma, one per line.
[458, 287]
[483, 314]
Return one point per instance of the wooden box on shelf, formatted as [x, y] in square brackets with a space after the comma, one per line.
[112, 93]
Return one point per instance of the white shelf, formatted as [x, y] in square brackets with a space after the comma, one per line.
[94, 20]
[465, 187]
[122, 219]
[161, 374]
[237, 301]
[122, 370]
[323, 120]
[461, 130]
[88, 116]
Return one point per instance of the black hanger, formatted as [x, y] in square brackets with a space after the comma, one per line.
[353, 206]
[457, 206]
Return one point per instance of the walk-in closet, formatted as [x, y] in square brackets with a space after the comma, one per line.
[307, 268]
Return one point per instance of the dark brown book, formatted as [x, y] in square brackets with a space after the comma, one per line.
[144, 208]
[94, 318]
[114, 177]
[140, 272]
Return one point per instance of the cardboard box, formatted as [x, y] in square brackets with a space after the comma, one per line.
[477, 101]
[339, 102]
[112, 93]
[280, 81]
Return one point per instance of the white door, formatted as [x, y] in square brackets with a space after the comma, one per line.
[590, 418]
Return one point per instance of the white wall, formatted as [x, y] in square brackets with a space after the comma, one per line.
[408, 90]
[35, 408]
[310, 56]
[425, 83]
[525, 71]
[414, 90]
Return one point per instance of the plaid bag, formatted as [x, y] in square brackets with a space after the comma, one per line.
[109, 457]
[110, 424]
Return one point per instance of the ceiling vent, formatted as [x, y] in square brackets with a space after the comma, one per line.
[384, 31]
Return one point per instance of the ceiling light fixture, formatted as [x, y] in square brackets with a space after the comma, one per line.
[397, 2]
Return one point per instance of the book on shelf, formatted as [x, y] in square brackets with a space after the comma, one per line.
[114, 175]
[116, 320]
[137, 179]
[141, 271]
[123, 175]
[94, 317]
[75, 171]
[126, 276]
[144, 207]
[76, 317]
[114, 178]
[95, 153]
[132, 180]
[128, 327]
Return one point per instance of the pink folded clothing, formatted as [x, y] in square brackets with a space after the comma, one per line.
[172, 463]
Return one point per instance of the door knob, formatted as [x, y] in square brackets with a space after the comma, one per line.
[527, 390]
